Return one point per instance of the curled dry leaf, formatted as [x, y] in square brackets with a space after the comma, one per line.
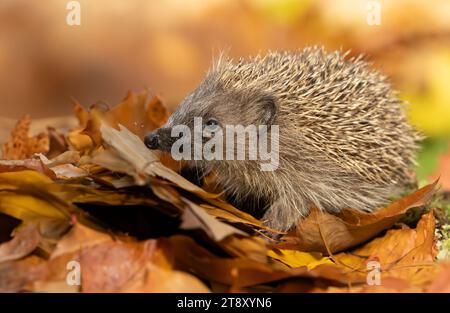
[57, 143]
[329, 233]
[68, 157]
[195, 217]
[62, 165]
[81, 114]
[68, 171]
[27, 164]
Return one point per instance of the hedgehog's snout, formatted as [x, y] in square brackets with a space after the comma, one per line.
[151, 140]
[160, 139]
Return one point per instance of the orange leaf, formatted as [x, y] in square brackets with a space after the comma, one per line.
[21, 146]
[328, 233]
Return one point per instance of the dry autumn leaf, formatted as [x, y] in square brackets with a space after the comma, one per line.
[329, 233]
[34, 198]
[15, 276]
[236, 272]
[161, 280]
[294, 258]
[27, 164]
[248, 247]
[195, 217]
[25, 240]
[406, 257]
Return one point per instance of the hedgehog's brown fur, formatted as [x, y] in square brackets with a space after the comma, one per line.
[344, 136]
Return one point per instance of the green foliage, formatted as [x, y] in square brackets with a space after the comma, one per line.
[428, 157]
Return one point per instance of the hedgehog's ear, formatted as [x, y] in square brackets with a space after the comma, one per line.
[269, 107]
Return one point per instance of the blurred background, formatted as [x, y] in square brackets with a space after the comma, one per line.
[166, 46]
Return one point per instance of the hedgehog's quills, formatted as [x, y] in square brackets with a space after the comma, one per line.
[344, 137]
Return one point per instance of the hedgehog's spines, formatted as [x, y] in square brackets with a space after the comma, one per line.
[320, 79]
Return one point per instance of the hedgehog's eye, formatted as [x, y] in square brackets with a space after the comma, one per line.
[212, 125]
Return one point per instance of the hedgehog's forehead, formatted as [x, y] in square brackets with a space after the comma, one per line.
[194, 105]
[225, 85]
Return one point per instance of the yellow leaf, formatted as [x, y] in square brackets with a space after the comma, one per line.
[294, 258]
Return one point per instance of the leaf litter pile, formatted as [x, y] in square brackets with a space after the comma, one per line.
[94, 198]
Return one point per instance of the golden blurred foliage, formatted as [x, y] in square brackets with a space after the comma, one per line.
[167, 46]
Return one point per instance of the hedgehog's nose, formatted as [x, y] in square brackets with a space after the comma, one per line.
[152, 140]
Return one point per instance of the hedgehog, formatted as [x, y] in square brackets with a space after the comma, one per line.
[344, 136]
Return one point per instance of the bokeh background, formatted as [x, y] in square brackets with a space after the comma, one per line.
[166, 46]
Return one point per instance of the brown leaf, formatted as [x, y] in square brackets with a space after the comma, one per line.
[67, 157]
[57, 143]
[238, 272]
[15, 276]
[77, 238]
[329, 233]
[157, 279]
[135, 112]
[195, 217]
[81, 114]
[27, 164]
[68, 249]
[252, 248]
[110, 266]
[138, 115]
[25, 240]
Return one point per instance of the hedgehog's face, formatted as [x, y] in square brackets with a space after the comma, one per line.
[205, 114]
